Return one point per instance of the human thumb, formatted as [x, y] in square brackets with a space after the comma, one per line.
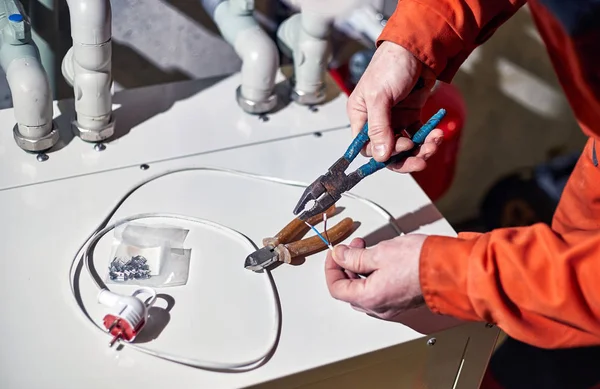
[381, 134]
[357, 260]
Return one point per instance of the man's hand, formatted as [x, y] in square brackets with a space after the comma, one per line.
[383, 97]
[391, 285]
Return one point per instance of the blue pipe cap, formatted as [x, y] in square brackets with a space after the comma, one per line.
[16, 18]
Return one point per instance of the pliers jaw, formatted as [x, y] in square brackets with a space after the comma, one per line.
[261, 259]
[312, 193]
[328, 188]
[322, 198]
[322, 203]
[325, 191]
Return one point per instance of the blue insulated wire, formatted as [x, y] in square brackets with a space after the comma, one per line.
[319, 234]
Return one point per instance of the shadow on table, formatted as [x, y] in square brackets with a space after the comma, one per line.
[133, 112]
[425, 322]
[158, 318]
[407, 223]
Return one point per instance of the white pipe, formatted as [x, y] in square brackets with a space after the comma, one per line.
[87, 67]
[28, 82]
[31, 94]
[259, 54]
[314, 46]
[90, 21]
[365, 21]
[260, 61]
[306, 35]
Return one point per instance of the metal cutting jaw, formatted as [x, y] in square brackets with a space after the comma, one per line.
[322, 199]
[325, 191]
[261, 258]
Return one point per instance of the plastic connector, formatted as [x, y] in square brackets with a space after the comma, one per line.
[128, 314]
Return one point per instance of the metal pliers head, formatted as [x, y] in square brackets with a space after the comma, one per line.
[325, 191]
[262, 258]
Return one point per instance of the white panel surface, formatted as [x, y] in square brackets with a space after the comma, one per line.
[161, 122]
[44, 223]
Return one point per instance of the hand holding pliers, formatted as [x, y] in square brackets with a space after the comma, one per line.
[326, 190]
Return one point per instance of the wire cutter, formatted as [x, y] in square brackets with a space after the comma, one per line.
[282, 248]
[326, 190]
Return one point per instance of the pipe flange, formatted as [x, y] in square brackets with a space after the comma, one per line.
[37, 145]
[96, 135]
[255, 107]
[311, 98]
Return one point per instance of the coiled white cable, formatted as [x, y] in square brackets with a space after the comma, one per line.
[84, 258]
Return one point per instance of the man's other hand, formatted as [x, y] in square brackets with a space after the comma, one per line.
[389, 284]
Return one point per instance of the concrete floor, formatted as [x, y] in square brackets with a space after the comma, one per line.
[517, 114]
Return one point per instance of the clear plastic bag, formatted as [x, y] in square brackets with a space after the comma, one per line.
[149, 255]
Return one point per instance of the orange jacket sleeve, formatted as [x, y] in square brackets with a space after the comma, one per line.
[442, 33]
[539, 284]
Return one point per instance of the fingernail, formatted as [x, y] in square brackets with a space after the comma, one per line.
[380, 150]
[339, 253]
[438, 140]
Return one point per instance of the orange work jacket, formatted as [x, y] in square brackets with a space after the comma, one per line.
[540, 284]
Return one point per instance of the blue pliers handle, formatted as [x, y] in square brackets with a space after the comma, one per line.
[372, 166]
[328, 188]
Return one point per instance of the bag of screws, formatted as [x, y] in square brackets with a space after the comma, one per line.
[148, 255]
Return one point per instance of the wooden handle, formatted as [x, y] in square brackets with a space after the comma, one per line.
[314, 244]
[295, 228]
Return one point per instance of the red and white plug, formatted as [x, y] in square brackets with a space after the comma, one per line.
[128, 314]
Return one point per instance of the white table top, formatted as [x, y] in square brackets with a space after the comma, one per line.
[49, 208]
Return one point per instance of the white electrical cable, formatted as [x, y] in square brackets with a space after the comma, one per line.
[87, 256]
[84, 257]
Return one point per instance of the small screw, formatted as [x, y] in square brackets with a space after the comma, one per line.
[144, 167]
[41, 157]
[99, 147]
[489, 325]
[431, 342]
[263, 118]
[312, 108]
[134, 268]
[318, 134]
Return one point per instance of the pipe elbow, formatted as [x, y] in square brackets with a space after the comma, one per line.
[287, 34]
[92, 94]
[96, 58]
[31, 95]
[210, 6]
[316, 25]
[259, 54]
[260, 62]
[90, 21]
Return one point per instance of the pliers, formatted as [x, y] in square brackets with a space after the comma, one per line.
[326, 190]
[282, 248]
